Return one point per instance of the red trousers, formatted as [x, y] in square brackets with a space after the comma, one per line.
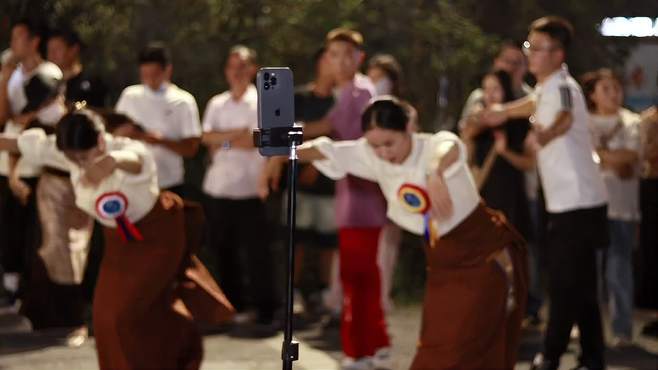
[363, 328]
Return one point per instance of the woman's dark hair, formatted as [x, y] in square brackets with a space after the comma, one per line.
[589, 81]
[505, 81]
[78, 130]
[390, 66]
[385, 112]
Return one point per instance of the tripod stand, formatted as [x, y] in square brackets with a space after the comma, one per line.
[290, 349]
[279, 137]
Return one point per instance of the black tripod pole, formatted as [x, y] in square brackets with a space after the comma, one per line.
[290, 350]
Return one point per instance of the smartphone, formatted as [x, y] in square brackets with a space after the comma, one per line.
[276, 108]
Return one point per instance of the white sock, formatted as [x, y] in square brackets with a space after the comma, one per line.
[10, 281]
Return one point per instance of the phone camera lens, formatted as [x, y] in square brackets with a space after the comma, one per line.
[273, 81]
[266, 76]
[266, 85]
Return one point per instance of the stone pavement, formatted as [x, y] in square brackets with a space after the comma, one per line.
[319, 350]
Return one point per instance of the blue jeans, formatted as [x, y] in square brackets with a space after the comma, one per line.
[619, 275]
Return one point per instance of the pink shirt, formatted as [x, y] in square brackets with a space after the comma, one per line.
[359, 203]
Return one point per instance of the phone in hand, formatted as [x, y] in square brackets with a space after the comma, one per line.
[276, 109]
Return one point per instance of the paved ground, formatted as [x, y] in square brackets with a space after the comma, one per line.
[320, 350]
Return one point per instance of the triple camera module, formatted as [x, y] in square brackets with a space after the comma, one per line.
[270, 80]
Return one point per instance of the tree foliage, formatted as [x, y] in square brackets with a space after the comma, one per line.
[431, 38]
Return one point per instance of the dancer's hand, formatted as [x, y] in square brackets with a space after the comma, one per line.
[20, 189]
[442, 207]
[97, 171]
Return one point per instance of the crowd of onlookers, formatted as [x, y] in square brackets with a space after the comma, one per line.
[582, 188]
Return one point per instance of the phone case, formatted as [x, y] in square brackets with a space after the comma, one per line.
[276, 104]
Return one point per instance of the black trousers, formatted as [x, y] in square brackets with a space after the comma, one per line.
[238, 235]
[647, 257]
[573, 238]
[20, 230]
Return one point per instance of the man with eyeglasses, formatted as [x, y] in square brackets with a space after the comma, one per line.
[575, 194]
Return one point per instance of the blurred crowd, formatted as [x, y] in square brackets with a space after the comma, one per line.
[50, 251]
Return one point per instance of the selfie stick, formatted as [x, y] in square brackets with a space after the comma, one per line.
[293, 138]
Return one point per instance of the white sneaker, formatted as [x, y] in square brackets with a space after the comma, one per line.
[383, 359]
[298, 304]
[363, 363]
[575, 333]
[244, 317]
[10, 281]
[621, 342]
[77, 337]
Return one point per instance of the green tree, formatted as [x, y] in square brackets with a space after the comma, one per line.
[435, 40]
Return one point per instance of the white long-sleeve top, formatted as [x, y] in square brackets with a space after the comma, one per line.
[357, 158]
[140, 190]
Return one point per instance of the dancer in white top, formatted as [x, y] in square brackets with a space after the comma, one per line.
[429, 190]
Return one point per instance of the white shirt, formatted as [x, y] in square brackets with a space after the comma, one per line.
[170, 112]
[233, 172]
[569, 176]
[18, 101]
[141, 190]
[623, 194]
[356, 157]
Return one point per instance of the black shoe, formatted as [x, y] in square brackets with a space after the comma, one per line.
[651, 329]
[583, 367]
[331, 322]
[531, 322]
[256, 330]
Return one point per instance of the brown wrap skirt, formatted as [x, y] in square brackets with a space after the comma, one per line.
[475, 296]
[150, 292]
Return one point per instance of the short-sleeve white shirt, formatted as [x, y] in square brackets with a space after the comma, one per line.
[357, 158]
[18, 101]
[569, 175]
[233, 172]
[171, 112]
[623, 194]
[140, 190]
